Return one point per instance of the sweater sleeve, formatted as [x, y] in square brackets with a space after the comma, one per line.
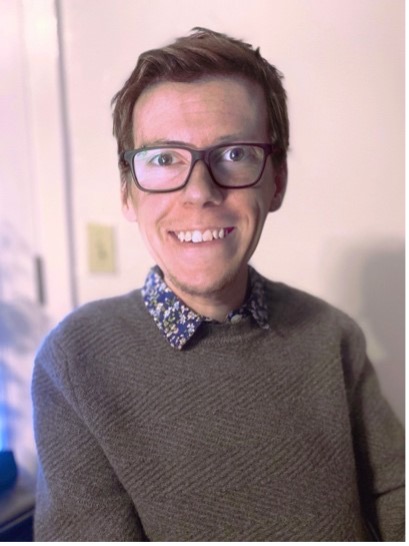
[379, 447]
[79, 497]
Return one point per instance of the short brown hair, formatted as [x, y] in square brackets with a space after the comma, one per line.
[202, 53]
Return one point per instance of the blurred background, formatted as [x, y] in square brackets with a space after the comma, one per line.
[63, 240]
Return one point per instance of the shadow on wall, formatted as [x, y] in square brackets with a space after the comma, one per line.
[21, 328]
[371, 280]
[23, 323]
[383, 287]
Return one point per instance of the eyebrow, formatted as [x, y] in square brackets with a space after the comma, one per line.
[165, 142]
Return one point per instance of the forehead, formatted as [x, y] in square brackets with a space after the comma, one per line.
[201, 112]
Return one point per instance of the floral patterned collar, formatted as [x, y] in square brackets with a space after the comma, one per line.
[179, 323]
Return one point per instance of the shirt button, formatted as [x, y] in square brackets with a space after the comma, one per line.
[235, 319]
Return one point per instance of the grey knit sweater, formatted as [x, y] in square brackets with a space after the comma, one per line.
[247, 434]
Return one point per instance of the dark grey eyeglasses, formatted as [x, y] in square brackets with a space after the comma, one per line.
[162, 169]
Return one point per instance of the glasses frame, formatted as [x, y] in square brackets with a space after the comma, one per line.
[202, 154]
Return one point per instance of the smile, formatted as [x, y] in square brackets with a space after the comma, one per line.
[197, 236]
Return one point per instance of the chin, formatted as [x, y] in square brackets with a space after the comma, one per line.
[203, 287]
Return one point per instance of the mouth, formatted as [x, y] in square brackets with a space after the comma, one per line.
[197, 236]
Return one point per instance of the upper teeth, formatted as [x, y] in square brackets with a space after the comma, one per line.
[197, 236]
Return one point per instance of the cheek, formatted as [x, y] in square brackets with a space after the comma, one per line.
[151, 211]
[260, 206]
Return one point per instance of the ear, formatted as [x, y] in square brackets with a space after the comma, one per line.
[280, 183]
[128, 205]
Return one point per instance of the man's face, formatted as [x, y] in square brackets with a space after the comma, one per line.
[202, 114]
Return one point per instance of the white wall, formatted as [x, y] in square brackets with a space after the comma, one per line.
[340, 233]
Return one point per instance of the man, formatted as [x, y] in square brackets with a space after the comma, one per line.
[211, 404]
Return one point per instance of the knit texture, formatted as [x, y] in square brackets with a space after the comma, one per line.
[245, 435]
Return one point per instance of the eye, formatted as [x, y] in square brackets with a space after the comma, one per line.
[235, 154]
[163, 159]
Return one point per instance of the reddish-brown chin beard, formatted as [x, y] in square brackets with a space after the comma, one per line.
[217, 290]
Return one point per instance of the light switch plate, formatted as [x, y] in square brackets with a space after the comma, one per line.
[101, 248]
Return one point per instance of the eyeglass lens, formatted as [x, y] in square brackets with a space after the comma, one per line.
[168, 168]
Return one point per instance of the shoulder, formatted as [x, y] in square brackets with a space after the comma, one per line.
[295, 304]
[294, 312]
[318, 331]
[95, 327]
[92, 345]
[102, 314]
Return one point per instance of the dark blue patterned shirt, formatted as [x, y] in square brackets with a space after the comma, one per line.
[179, 323]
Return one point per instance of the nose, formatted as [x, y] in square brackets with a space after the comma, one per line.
[200, 188]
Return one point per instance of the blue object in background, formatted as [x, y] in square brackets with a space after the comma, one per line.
[3, 410]
[8, 470]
